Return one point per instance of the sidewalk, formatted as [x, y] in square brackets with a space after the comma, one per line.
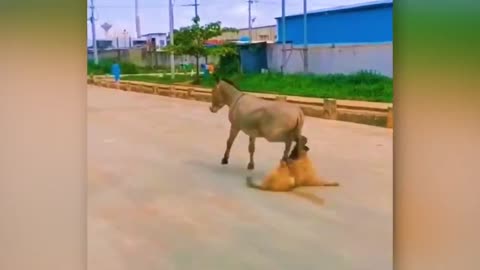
[354, 104]
[109, 76]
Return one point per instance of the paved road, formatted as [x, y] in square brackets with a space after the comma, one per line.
[159, 198]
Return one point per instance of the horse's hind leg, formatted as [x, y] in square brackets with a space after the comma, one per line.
[251, 151]
[288, 146]
[231, 138]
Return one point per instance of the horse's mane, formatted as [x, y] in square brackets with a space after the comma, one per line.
[231, 83]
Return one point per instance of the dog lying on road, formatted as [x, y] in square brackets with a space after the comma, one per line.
[297, 171]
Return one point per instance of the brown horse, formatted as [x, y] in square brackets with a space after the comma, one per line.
[276, 121]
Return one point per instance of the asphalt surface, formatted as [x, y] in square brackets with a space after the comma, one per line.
[158, 197]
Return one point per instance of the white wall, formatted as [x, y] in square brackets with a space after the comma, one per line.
[341, 59]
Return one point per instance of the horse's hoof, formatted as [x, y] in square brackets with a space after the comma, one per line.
[250, 166]
[224, 161]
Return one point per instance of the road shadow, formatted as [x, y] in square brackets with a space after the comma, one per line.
[233, 170]
[240, 172]
[311, 197]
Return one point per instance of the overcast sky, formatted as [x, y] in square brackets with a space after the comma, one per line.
[232, 13]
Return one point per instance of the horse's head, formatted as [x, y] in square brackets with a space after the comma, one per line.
[218, 99]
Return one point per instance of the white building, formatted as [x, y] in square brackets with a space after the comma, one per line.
[159, 39]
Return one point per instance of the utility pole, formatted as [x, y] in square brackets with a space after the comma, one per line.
[305, 38]
[196, 9]
[137, 20]
[250, 19]
[196, 4]
[283, 38]
[172, 57]
[94, 37]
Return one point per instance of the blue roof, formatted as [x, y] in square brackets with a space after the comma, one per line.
[353, 7]
[153, 34]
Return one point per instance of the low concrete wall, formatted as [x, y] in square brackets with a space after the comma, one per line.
[327, 108]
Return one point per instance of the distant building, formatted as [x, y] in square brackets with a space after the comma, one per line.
[259, 33]
[344, 39]
[159, 39]
[363, 23]
[103, 44]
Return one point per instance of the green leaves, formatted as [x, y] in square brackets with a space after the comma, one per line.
[223, 50]
[191, 40]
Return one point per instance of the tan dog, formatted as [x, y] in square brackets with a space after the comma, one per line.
[298, 171]
[278, 180]
[304, 173]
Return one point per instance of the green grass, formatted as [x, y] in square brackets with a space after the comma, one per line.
[364, 86]
[104, 67]
[166, 79]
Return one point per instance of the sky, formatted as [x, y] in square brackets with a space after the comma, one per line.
[232, 13]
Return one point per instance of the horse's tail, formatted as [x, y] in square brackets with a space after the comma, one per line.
[299, 125]
[300, 140]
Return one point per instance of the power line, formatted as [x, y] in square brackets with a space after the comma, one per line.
[161, 5]
[130, 7]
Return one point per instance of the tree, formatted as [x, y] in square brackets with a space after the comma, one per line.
[191, 40]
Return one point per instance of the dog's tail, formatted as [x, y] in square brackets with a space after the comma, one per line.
[325, 183]
[330, 184]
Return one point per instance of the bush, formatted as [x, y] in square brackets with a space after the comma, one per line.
[228, 65]
[105, 66]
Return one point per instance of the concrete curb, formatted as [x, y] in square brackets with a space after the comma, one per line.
[326, 108]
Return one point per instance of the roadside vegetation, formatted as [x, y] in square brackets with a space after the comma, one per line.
[364, 86]
[104, 67]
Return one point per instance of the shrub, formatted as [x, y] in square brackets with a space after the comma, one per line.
[105, 66]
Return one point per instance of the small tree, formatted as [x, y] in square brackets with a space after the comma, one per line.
[191, 41]
[229, 57]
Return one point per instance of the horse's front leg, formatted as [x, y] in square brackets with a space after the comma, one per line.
[251, 150]
[231, 138]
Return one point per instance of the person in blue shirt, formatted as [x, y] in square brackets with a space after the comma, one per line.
[116, 71]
